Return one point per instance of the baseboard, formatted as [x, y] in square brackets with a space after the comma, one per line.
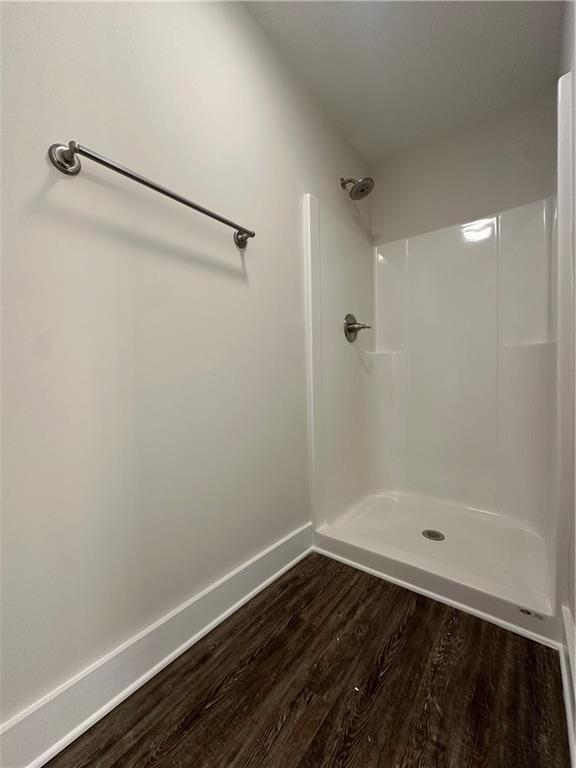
[568, 663]
[35, 735]
[570, 640]
[517, 629]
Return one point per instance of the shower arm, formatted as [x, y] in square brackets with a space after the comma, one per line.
[67, 161]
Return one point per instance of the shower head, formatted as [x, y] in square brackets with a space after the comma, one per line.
[360, 189]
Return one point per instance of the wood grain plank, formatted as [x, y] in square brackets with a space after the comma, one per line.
[330, 667]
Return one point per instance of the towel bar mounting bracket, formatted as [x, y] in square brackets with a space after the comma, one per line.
[65, 159]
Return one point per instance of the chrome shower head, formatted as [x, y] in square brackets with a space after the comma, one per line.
[361, 188]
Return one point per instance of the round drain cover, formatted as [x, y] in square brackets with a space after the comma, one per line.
[433, 535]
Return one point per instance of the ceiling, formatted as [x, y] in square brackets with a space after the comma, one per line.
[394, 74]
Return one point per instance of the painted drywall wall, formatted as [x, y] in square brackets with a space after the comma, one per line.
[565, 399]
[568, 43]
[571, 21]
[499, 163]
[154, 390]
[567, 245]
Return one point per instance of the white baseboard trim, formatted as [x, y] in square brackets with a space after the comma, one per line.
[568, 704]
[570, 640]
[568, 665]
[35, 735]
[441, 599]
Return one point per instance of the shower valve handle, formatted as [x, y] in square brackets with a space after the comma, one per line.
[352, 326]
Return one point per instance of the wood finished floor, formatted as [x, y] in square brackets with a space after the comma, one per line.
[330, 667]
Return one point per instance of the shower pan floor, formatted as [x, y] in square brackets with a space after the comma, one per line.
[489, 553]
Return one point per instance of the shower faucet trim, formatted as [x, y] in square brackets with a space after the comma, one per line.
[352, 326]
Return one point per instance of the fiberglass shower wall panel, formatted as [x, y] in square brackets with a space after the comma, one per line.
[341, 282]
[389, 359]
[466, 351]
[527, 391]
[452, 364]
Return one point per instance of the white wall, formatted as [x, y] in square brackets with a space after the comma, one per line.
[566, 255]
[154, 390]
[499, 163]
[571, 37]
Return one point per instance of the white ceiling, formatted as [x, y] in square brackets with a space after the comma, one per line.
[393, 74]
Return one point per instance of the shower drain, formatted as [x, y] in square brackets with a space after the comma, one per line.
[433, 535]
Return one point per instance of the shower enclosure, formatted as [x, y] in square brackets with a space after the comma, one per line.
[433, 435]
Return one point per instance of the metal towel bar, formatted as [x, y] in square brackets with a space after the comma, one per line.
[66, 159]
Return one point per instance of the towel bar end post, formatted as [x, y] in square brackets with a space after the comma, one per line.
[241, 239]
[65, 158]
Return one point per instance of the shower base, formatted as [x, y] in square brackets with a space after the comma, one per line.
[487, 563]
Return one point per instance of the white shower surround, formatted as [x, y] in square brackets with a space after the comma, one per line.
[443, 416]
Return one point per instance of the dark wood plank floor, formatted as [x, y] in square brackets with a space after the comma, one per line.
[330, 667]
